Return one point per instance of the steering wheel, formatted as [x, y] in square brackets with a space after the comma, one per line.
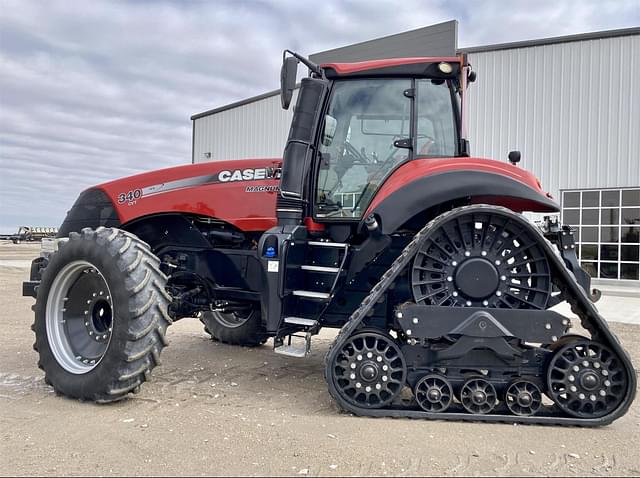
[355, 156]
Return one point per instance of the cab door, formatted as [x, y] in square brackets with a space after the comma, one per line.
[367, 134]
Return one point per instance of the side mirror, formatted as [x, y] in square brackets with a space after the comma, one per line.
[288, 80]
[330, 126]
[514, 157]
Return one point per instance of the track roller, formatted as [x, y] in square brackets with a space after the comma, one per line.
[523, 398]
[478, 396]
[433, 393]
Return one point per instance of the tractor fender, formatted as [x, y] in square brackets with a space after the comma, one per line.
[418, 195]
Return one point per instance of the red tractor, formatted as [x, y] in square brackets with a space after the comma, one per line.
[377, 222]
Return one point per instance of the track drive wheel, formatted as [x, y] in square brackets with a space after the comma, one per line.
[369, 371]
[433, 393]
[478, 396]
[586, 379]
[481, 259]
[100, 315]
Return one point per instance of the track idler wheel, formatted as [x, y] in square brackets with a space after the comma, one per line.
[433, 393]
[586, 379]
[523, 398]
[369, 371]
[478, 396]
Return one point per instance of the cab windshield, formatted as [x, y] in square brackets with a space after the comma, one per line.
[368, 133]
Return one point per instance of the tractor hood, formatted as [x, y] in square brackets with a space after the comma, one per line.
[240, 192]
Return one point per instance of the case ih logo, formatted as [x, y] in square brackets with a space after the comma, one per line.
[247, 175]
[225, 176]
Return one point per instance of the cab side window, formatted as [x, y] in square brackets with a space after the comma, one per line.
[436, 131]
[365, 118]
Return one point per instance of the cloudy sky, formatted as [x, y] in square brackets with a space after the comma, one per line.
[92, 90]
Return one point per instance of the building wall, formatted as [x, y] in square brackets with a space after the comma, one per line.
[253, 130]
[572, 109]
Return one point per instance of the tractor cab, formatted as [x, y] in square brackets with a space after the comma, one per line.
[369, 131]
[354, 125]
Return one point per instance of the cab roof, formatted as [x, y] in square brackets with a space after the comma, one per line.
[417, 66]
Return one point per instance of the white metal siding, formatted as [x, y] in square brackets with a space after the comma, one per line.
[572, 109]
[255, 130]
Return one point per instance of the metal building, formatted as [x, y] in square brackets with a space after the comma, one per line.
[569, 104]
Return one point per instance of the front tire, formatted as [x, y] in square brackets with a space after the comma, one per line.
[235, 328]
[100, 315]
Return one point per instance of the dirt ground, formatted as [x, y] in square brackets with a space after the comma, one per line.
[212, 409]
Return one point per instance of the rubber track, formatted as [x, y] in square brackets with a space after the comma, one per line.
[581, 305]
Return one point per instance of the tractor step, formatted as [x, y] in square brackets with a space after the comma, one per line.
[328, 270]
[291, 349]
[327, 244]
[310, 294]
[300, 321]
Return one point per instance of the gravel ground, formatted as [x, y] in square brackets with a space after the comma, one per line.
[212, 409]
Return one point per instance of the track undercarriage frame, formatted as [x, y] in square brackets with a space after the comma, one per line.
[478, 363]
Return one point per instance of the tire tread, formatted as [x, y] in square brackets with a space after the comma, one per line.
[148, 318]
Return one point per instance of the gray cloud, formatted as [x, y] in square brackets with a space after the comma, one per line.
[91, 91]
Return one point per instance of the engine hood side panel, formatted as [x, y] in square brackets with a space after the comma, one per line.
[241, 192]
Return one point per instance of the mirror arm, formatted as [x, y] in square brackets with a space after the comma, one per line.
[308, 63]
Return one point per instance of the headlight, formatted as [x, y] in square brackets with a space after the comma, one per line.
[445, 67]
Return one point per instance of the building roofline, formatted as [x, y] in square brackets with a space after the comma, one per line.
[476, 49]
[392, 36]
[554, 40]
[237, 104]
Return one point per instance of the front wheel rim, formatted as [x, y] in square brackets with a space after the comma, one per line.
[79, 317]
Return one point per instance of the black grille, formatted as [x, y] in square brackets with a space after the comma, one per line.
[93, 208]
